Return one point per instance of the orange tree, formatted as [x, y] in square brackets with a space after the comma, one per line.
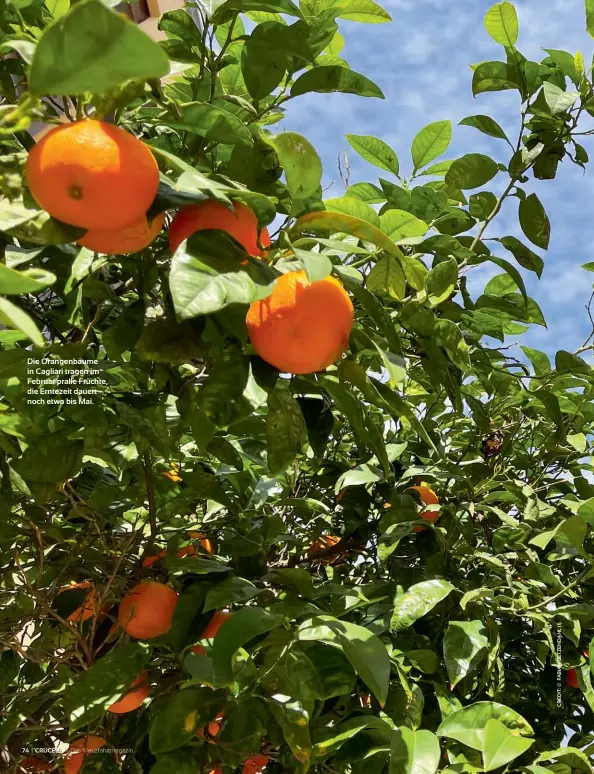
[385, 565]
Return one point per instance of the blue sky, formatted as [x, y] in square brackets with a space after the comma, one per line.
[421, 63]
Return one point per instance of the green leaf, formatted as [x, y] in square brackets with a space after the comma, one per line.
[269, 6]
[481, 205]
[414, 752]
[486, 125]
[207, 275]
[375, 151]
[14, 317]
[176, 717]
[439, 169]
[448, 335]
[524, 256]
[387, 279]
[325, 222]
[471, 171]
[398, 225]
[540, 361]
[317, 265]
[104, 683]
[501, 745]
[465, 644]
[366, 11]
[112, 48]
[285, 430]
[366, 192]
[427, 203]
[433, 140]
[534, 221]
[441, 281]
[14, 282]
[468, 724]
[558, 100]
[501, 22]
[302, 166]
[494, 76]
[214, 123]
[239, 629]
[335, 78]
[355, 208]
[365, 651]
[590, 17]
[419, 600]
[513, 273]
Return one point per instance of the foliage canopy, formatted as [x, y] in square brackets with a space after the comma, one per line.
[394, 649]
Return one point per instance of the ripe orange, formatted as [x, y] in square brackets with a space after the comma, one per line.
[133, 697]
[240, 223]
[92, 174]
[303, 326]
[150, 560]
[427, 497]
[86, 610]
[130, 239]
[147, 611]
[212, 628]
[32, 765]
[325, 541]
[189, 550]
[213, 729]
[255, 765]
[572, 679]
[79, 750]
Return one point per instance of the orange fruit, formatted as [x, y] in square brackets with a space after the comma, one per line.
[92, 174]
[32, 765]
[188, 550]
[303, 326]
[255, 765]
[150, 560]
[147, 611]
[427, 497]
[239, 222]
[130, 239]
[206, 544]
[133, 697]
[572, 679]
[213, 729]
[86, 610]
[325, 541]
[426, 494]
[79, 750]
[212, 628]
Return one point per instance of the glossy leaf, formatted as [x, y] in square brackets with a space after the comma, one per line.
[534, 221]
[465, 644]
[365, 651]
[468, 724]
[417, 601]
[471, 171]
[486, 125]
[302, 166]
[285, 429]
[501, 746]
[387, 278]
[502, 25]
[375, 151]
[414, 752]
[441, 281]
[335, 78]
[430, 143]
[113, 49]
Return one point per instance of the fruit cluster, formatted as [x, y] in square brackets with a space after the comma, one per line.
[99, 177]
